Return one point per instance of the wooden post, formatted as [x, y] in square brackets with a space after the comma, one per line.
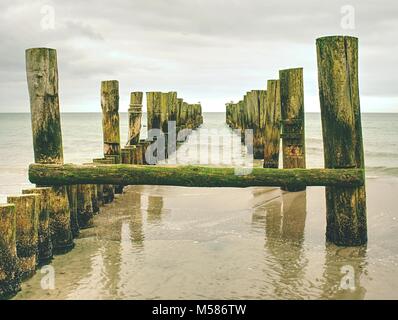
[164, 121]
[27, 209]
[259, 123]
[74, 221]
[179, 111]
[85, 212]
[115, 159]
[107, 189]
[172, 105]
[135, 114]
[153, 110]
[94, 198]
[342, 136]
[292, 111]
[45, 247]
[272, 125]
[110, 117]
[126, 155]
[131, 151]
[10, 282]
[42, 77]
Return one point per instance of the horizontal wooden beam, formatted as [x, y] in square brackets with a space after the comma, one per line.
[191, 176]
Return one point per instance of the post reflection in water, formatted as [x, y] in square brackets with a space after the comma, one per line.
[136, 224]
[284, 221]
[154, 211]
[343, 270]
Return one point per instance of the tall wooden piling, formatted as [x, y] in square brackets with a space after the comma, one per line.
[27, 209]
[272, 125]
[42, 78]
[342, 136]
[45, 248]
[135, 115]
[153, 110]
[292, 111]
[164, 121]
[10, 282]
[110, 117]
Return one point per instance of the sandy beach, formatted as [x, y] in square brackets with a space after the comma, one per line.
[255, 243]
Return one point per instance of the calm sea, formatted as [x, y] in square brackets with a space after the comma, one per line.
[82, 138]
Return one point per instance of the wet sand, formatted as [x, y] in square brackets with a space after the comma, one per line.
[255, 243]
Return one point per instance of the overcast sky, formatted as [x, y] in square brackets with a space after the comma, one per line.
[211, 51]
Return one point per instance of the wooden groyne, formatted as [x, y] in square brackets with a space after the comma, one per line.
[341, 127]
[44, 220]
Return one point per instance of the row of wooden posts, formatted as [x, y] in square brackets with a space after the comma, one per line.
[278, 112]
[343, 175]
[45, 220]
[271, 114]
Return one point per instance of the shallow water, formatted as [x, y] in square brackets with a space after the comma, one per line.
[225, 243]
[159, 242]
[255, 243]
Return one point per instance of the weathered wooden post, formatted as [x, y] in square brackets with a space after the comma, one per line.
[85, 212]
[108, 192]
[72, 197]
[42, 77]
[164, 121]
[272, 125]
[292, 111]
[342, 136]
[153, 110]
[110, 122]
[10, 282]
[179, 112]
[27, 209]
[45, 245]
[110, 117]
[126, 156]
[135, 115]
[94, 198]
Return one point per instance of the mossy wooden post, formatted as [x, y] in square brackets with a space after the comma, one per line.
[110, 117]
[179, 112]
[72, 197]
[94, 198]
[115, 159]
[42, 77]
[342, 136]
[135, 115]
[164, 121]
[153, 110]
[27, 209]
[45, 247]
[108, 192]
[292, 112]
[272, 125]
[85, 212]
[126, 155]
[10, 282]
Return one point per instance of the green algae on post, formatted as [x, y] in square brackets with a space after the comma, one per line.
[27, 209]
[135, 115]
[342, 137]
[193, 176]
[10, 281]
[45, 247]
[272, 125]
[292, 111]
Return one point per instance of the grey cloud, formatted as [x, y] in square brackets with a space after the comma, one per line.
[209, 50]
